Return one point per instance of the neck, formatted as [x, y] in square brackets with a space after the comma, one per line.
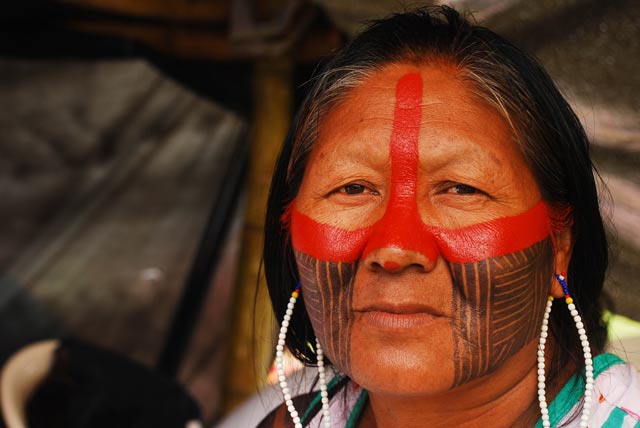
[504, 398]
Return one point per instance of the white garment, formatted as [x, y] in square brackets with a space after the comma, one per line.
[616, 400]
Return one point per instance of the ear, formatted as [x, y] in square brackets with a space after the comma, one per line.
[562, 249]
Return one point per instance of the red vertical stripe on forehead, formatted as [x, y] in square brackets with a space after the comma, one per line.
[403, 146]
[401, 221]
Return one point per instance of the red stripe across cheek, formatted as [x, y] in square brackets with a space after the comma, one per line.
[401, 226]
[464, 245]
[493, 238]
[324, 242]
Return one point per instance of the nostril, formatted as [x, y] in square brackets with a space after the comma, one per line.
[395, 260]
[375, 265]
[422, 267]
[391, 266]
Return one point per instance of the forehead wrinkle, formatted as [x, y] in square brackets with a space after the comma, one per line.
[369, 124]
[353, 153]
[446, 106]
[458, 152]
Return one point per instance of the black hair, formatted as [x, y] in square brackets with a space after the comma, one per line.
[549, 135]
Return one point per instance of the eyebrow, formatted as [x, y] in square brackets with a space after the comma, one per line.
[454, 157]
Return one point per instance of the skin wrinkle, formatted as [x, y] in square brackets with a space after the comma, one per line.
[481, 324]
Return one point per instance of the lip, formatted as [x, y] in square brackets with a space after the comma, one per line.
[398, 317]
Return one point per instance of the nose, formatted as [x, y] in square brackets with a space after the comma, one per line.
[396, 260]
[399, 241]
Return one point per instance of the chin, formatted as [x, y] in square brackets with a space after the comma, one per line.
[417, 364]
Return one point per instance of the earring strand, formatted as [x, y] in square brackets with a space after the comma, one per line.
[322, 377]
[586, 350]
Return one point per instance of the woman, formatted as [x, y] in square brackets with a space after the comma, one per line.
[433, 190]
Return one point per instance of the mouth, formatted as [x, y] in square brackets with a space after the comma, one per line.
[398, 317]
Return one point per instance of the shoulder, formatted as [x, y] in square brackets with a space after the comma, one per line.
[344, 397]
[258, 408]
[280, 418]
[619, 386]
[616, 398]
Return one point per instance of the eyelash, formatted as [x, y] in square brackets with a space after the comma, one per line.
[465, 189]
[358, 189]
[355, 189]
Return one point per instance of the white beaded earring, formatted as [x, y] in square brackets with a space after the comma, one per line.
[588, 362]
[288, 400]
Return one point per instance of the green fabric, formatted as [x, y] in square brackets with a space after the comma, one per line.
[317, 399]
[637, 425]
[357, 409]
[615, 419]
[573, 389]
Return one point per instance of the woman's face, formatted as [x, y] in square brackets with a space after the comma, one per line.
[421, 242]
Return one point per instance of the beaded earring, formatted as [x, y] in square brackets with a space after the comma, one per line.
[588, 362]
[322, 377]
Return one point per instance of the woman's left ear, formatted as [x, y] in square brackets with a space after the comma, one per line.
[562, 249]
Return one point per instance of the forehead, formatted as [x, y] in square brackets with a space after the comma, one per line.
[452, 115]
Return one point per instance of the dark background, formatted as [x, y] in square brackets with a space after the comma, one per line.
[124, 134]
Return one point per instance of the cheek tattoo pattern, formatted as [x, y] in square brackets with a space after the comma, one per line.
[498, 305]
[500, 269]
[327, 288]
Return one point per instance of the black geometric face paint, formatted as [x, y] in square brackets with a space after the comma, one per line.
[498, 305]
[327, 290]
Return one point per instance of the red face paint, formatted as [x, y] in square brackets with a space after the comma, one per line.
[401, 225]
[464, 245]
[397, 228]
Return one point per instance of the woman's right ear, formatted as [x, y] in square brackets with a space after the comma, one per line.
[562, 249]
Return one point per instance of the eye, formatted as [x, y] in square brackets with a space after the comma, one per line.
[463, 189]
[356, 189]
[353, 189]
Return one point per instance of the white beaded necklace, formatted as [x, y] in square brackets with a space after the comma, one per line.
[322, 376]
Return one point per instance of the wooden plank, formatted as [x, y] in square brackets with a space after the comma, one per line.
[194, 43]
[211, 44]
[174, 10]
[252, 345]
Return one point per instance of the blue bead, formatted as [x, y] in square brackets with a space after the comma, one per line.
[563, 283]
